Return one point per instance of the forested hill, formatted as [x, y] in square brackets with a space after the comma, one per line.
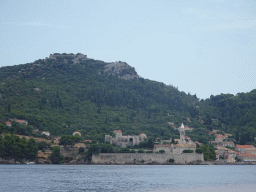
[236, 112]
[69, 92]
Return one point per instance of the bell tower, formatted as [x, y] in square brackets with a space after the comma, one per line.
[182, 134]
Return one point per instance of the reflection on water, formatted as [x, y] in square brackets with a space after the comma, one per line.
[162, 178]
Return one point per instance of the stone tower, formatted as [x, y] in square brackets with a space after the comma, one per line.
[182, 134]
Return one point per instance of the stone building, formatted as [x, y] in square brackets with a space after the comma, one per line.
[124, 141]
[177, 148]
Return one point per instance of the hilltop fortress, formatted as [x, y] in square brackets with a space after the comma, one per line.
[171, 151]
[124, 141]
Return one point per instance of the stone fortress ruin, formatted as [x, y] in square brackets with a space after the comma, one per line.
[172, 151]
[124, 141]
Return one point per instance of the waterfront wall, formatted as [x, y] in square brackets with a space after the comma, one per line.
[133, 158]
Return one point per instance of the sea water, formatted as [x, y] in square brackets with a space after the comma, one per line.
[162, 178]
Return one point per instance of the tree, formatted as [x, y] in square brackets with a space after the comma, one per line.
[107, 148]
[2, 128]
[150, 142]
[56, 157]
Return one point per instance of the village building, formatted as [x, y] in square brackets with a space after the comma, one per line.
[8, 123]
[248, 157]
[177, 148]
[76, 133]
[124, 141]
[228, 143]
[47, 133]
[219, 138]
[23, 122]
[245, 149]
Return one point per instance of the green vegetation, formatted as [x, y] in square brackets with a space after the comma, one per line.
[56, 157]
[14, 147]
[61, 97]
[208, 151]
[69, 140]
[81, 150]
[141, 151]
[171, 160]
[188, 151]
[161, 151]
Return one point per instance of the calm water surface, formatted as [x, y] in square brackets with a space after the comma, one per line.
[161, 178]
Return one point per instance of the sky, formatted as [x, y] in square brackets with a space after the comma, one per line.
[202, 47]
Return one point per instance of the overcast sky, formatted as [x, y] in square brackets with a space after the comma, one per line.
[205, 47]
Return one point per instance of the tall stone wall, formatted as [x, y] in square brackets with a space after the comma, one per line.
[132, 158]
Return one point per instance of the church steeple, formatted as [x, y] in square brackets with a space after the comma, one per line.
[182, 134]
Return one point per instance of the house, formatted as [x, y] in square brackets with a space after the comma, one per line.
[245, 149]
[219, 138]
[8, 123]
[23, 122]
[76, 133]
[228, 143]
[87, 141]
[47, 133]
[248, 157]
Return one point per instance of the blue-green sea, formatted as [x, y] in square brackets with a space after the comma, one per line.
[163, 178]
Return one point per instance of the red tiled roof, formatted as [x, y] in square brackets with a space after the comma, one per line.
[245, 146]
[88, 141]
[248, 155]
[187, 137]
[118, 131]
[163, 145]
[8, 123]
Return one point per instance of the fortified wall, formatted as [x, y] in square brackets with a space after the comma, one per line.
[132, 158]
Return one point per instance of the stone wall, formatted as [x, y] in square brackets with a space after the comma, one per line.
[132, 158]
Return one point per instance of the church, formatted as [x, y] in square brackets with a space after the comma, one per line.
[177, 148]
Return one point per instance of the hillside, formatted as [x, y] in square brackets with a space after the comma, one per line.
[70, 92]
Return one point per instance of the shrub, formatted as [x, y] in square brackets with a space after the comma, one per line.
[141, 151]
[161, 151]
[80, 150]
[171, 160]
[188, 151]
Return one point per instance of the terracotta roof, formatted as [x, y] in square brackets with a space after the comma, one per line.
[20, 121]
[118, 131]
[141, 134]
[220, 136]
[187, 137]
[8, 123]
[185, 145]
[245, 146]
[248, 155]
[163, 145]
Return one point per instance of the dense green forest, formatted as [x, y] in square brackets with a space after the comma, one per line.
[62, 96]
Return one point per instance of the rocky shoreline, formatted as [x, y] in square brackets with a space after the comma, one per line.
[83, 162]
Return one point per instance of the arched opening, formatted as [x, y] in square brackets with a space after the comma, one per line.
[131, 140]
